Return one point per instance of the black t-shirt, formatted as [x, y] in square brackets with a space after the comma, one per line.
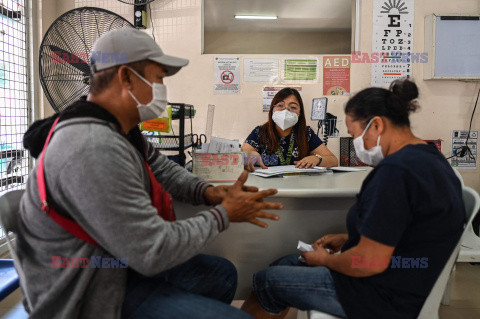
[412, 201]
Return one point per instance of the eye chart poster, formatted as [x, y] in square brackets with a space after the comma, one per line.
[392, 40]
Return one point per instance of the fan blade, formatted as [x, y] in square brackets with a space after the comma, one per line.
[63, 56]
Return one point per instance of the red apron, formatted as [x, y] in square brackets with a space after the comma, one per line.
[161, 199]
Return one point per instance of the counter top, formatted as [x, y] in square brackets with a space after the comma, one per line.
[338, 184]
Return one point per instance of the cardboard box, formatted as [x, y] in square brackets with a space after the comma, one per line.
[218, 167]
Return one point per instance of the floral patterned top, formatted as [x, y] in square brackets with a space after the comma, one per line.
[272, 159]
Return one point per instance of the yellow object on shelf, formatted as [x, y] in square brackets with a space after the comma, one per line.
[161, 124]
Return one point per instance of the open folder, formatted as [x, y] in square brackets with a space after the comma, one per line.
[287, 169]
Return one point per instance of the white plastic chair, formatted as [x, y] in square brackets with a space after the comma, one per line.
[470, 248]
[429, 310]
[9, 207]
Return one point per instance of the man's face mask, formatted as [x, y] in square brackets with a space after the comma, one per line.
[156, 107]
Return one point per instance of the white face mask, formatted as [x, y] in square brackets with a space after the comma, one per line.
[157, 106]
[285, 119]
[372, 156]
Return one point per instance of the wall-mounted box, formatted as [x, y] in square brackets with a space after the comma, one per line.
[453, 47]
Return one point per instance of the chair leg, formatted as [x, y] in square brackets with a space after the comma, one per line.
[446, 294]
[302, 314]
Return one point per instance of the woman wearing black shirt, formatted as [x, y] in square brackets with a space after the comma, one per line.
[407, 219]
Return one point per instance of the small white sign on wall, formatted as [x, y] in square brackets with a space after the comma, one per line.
[459, 140]
[260, 70]
[269, 92]
[227, 75]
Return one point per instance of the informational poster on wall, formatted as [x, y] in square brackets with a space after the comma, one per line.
[260, 70]
[336, 75]
[300, 70]
[269, 92]
[459, 140]
[227, 75]
[392, 41]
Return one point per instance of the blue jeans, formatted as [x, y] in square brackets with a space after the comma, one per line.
[202, 287]
[290, 283]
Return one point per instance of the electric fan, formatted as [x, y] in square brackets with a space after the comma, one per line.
[65, 52]
[136, 2]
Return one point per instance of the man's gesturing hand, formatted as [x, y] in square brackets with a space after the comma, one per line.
[215, 195]
[244, 206]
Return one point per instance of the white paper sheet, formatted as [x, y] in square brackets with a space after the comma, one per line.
[222, 145]
[285, 169]
[226, 72]
[260, 70]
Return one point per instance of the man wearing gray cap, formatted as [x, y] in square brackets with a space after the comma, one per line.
[97, 232]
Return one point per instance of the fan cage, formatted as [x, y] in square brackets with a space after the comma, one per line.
[136, 2]
[64, 59]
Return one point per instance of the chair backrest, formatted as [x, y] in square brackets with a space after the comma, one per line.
[459, 177]
[9, 207]
[432, 304]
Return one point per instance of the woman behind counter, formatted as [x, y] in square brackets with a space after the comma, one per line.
[286, 139]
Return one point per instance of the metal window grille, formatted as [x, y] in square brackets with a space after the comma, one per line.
[14, 96]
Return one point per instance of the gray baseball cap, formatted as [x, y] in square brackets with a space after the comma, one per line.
[122, 46]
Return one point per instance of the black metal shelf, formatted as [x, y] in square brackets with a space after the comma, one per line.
[177, 143]
[189, 110]
[170, 142]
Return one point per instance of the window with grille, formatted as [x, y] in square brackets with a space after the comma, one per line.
[14, 96]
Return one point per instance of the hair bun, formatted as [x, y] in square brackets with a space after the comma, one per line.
[405, 89]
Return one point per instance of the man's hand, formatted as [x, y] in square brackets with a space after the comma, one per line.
[334, 242]
[316, 257]
[245, 206]
[215, 195]
[250, 159]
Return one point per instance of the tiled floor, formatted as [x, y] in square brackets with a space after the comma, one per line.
[464, 298]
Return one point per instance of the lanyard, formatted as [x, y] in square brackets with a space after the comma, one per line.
[290, 152]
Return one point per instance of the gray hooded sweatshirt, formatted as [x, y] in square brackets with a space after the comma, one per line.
[98, 179]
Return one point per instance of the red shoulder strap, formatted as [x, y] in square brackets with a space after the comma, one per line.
[40, 173]
[69, 225]
[161, 199]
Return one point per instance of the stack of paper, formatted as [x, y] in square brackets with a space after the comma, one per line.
[286, 169]
[220, 145]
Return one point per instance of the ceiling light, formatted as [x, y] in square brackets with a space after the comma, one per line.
[256, 17]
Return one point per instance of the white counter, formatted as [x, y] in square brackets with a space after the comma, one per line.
[329, 184]
[313, 206]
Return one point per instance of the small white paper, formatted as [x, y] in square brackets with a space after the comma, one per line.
[226, 75]
[222, 145]
[459, 138]
[260, 70]
[304, 247]
[286, 169]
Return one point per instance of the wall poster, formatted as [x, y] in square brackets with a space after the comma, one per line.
[392, 41]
